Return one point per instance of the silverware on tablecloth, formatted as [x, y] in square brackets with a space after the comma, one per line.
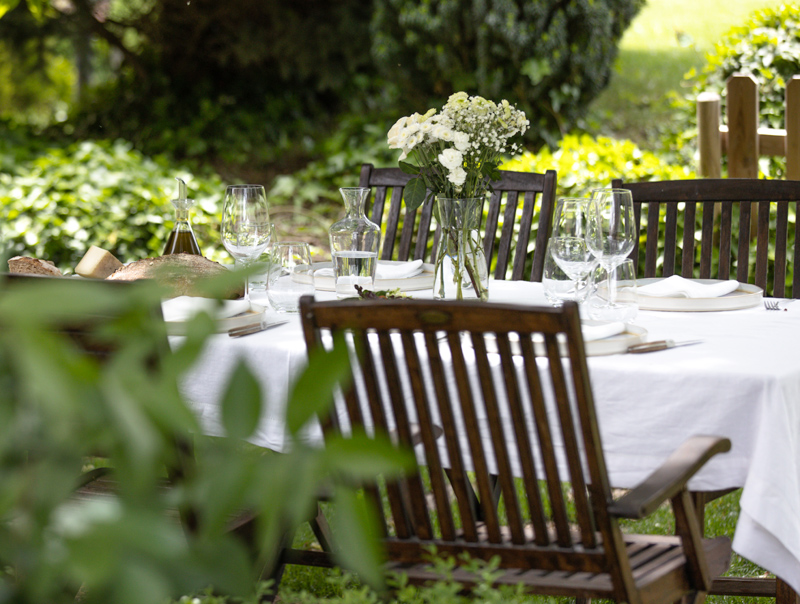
[775, 304]
[659, 345]
[246, 330]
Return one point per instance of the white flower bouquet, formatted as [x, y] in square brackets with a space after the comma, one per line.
[457, 151]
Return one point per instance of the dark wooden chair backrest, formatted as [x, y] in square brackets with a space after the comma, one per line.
[507, 230]
[733, 216]
[470, 433]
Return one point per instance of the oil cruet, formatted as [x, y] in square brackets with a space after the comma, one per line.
[182, 240]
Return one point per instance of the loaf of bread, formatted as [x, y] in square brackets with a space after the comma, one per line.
[33, 266]
[180, 272]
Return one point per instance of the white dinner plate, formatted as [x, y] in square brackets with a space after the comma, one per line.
[254, 315]
[424, 280]
[617, 344]
[745, 296]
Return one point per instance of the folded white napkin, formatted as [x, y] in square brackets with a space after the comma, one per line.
[678, 287]
[184, 308]
[601, 330]
[398, 270]
[386, 269]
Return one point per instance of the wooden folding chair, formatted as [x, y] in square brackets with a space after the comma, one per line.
[743, 223]
[502, 390]
[514, 198]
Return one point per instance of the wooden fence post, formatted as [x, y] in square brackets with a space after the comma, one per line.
[792, 123]
[708, 137]
[742, 127]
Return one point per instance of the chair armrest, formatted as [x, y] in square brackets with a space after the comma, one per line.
[670, 478]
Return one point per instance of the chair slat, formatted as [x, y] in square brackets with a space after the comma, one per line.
[670, 239]
[743, 251]
[494, 417]
[524, 237]
[414, 495]
[458, 472]
[781, 249]
[422, 407]
[762, 244]
[574, 462]
[687, 255]
[476, 447]
[651, 256]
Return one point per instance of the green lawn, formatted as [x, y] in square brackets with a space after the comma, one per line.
[663, 43]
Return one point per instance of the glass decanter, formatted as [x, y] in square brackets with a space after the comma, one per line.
[354, 245]
[182, 240]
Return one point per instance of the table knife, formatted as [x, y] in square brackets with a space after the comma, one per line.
[246, 330]
[660, 345]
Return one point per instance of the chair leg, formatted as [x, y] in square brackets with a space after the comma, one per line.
[695, 597]
[322, 530]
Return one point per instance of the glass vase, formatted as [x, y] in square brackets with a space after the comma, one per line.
[354, 245]
[461, 271]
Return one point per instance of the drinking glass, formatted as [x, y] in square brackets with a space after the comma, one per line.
[610, 232]
[558, 285]
[258, 282]
[290, 275]
[245, 226]
[626, 306]
[568, 243]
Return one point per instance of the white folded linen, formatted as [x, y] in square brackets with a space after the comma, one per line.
[398, 270]
[599, 331]
[184, 308]
[678, 287]
[386, 269]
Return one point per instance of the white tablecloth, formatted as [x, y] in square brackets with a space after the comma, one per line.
[742, 382]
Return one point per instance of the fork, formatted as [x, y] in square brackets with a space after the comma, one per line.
[775, 304]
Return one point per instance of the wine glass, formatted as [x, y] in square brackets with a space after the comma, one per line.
[245, 225]
[568, 245]
[611, 233]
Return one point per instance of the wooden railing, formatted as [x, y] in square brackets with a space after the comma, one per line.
[742, 140]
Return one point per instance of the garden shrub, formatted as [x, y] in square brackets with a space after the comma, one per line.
[766, 47]
[60, 200]
[583, 163]
[549, 58]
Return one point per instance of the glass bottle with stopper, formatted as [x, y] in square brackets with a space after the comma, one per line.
[181, 239]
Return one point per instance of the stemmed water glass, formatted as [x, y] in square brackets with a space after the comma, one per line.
[568, 245]
[610, 234]
[245, 227]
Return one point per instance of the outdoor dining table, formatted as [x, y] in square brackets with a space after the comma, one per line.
[742, 382]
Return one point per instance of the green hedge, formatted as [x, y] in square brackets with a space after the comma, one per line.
[584, 163]
[60, 200]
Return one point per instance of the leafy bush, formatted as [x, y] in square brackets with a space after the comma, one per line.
[60, 200]
[551, 59]
[584, 163]
[766, 47]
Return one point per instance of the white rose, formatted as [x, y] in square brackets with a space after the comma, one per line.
[442, 132]
[461, 141]
[451, 159]
[398, 126]
[457, 176]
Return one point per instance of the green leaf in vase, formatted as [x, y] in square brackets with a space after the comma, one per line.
[414, 194]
